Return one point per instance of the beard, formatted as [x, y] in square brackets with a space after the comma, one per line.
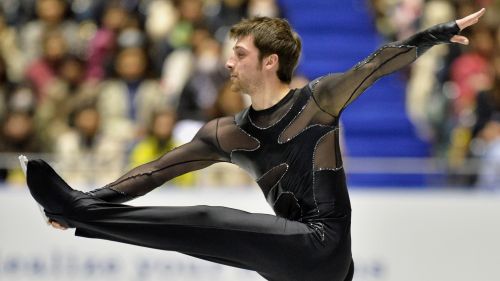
[236, 86]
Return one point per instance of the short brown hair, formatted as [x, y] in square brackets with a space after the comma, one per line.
[272, 36]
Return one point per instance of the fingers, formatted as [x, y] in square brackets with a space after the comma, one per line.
[470, 19]
[56, 225]
[466, 22]
[460, 39]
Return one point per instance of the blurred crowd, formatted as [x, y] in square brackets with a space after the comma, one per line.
[104, 86]
[453, 94]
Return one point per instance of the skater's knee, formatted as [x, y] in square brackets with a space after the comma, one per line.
[210, 214]
[202, 212]
[215, 215]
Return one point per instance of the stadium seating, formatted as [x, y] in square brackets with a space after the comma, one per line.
[336, 35]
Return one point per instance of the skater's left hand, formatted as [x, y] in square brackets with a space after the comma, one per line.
[466, 22]
[56, 225]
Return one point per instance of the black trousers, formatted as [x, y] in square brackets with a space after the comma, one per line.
[276, 248]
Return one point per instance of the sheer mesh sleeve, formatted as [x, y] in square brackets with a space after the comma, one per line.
[334, 92]
[202, 151]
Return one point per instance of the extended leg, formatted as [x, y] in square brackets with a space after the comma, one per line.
[264, 243]
[277, 248]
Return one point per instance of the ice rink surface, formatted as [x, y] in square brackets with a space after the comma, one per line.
[410, 235]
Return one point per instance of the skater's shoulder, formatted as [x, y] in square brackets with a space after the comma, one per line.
[226, 133]
[218, 123]
[216, 127]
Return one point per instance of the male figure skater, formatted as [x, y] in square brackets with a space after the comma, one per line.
[287, 140]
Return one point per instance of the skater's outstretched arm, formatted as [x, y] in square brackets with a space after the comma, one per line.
[335, 92]
[202, 151]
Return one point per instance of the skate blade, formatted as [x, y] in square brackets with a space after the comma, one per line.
[23, 160]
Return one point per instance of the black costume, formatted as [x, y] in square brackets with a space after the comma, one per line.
[292, 151]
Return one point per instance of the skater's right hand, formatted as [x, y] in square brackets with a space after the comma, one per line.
[56, 225]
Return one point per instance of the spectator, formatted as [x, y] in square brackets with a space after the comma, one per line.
[489, 169]
[425, 101]
[175, 51]
[10, 52]
[127, 101]
[68, 91]
[87, 155]
[5, 87]
[201, 90]
[57, 55]
[159, 141]
[51, 17]
[162, 16]
[221, 15]
[199, 95]
[43, 72]
[18, 14]
[20, 98]
[471, 71]
[85, 10]
[17, 135]
[190, 16]
[132, 34]
[104, 41]
[397, 19]
[406, 17]
[487, 102]
[179, 65]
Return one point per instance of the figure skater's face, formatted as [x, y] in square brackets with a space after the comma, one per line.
[244, 66]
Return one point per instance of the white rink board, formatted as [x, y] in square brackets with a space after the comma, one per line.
[397, 235]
